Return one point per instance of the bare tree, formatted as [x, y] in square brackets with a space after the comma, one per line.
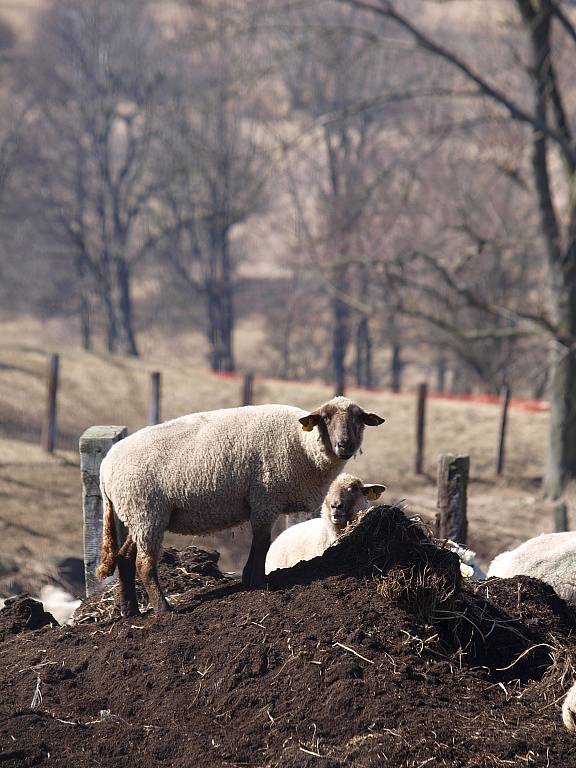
[330, 74]
[90, 170]
[548, 119]
[219, 171]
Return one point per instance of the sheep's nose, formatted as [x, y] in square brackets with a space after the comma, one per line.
[345, 445]
[337, 505]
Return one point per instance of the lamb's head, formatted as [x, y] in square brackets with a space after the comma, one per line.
[341, 424]
[346, 497]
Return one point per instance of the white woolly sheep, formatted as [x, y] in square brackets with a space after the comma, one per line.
[550, 557]
[569, 709]
[213, 470]
[345, 498]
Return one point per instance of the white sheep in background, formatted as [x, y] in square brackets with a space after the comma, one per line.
[550, 558]
[213, 470]
[569, 709]
[59, 603]
[345, 498]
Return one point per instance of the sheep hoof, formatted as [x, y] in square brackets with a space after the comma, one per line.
[128, 610]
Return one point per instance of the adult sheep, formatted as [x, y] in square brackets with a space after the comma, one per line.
[347, 496]
[550, 557]
[213, 470]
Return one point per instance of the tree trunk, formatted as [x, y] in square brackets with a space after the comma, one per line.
[561, 464]
[363, 354]
[106, 297]
[541, 385]
[340, 332]
[127, 339]
[396, 368]
[220, 300]
[83, 302]
[219, 328]
[85, 326]
[440, 372]
[110, 317]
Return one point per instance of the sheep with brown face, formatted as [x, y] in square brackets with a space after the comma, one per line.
[213, 470]
[347, 496]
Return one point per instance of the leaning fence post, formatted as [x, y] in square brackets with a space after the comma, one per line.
[451, 518]
[154, 403]
[49, 425]
[420, 427]
[248, 388]
[94, 445]
[505, 400]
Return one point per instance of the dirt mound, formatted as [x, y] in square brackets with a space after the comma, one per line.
[332, 671]
[382, 539]
[23, 614]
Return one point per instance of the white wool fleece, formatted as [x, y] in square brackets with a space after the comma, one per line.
[216, 469]
[303, 541]
[550, 558]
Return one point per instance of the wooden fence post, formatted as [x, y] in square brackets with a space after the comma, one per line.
[154, 402]
[560, 516]
[451, 518]
[49, 425]
[248, 388]
[505, 400]
[420, 427]
[94, 445]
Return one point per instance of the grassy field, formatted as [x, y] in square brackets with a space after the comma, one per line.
[40, 510]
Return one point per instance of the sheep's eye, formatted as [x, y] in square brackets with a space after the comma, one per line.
[326, 419]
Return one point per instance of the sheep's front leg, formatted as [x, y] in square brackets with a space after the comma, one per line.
[253, 575]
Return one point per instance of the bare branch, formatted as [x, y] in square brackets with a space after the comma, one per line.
[387, 10]
[564, 20]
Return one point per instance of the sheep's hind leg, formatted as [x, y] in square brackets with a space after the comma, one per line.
[253, 575]
[148, 572]
[127, 579]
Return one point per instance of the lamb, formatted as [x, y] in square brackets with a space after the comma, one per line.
[569, 709]
[213, 470]
[550, 557]
[345, 498]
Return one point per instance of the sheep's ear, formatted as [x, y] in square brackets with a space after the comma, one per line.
[373, 492]
[310, 421]
[371, 419]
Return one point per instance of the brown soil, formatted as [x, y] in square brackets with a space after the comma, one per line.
[386, 660]
[22, 614]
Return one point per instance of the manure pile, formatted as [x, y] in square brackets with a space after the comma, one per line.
[373, 655]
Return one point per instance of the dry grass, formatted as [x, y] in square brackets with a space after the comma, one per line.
[420, 592]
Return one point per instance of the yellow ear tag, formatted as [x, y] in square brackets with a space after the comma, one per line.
[373, 495]
[308, 426]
